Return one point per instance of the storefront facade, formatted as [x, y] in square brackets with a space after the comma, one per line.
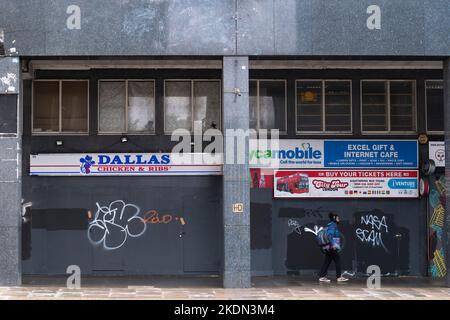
[91, 97]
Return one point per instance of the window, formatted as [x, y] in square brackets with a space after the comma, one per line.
[127, 106]
[268, 104]
[388, 106]
[192, 101]
[324, 106]
[435, 105]
[60, 106]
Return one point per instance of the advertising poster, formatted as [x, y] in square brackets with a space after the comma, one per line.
[311, 154]
[371, 154]
[286, 153]
[346, 184]
[436, 151]
[261, 178]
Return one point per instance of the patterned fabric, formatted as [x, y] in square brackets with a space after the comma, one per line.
[334, 237]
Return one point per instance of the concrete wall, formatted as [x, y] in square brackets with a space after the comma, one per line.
[226, 27]
[10, 172]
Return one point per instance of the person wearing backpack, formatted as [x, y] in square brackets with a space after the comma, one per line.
[331, 248]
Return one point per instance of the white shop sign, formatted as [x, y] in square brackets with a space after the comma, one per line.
[125, 164]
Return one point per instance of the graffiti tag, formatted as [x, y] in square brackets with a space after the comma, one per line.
[153, 217]
[372, 230]
[298, 227]
[113, 224]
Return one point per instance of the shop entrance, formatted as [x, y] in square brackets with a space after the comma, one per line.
[201, 240]
[110, 229]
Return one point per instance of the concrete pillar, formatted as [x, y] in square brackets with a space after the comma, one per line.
[446, 231]
[236, 182]
[10, 173]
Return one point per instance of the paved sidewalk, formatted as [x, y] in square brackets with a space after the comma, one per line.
[192, 288]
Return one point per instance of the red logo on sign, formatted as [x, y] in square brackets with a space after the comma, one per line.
[334, 184]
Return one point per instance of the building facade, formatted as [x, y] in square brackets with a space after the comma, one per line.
[92, 92]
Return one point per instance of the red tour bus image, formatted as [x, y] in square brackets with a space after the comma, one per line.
[295, 183]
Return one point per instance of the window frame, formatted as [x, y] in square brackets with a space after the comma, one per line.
[113, 133]
[192, 81]
[388, 100]
[324, 131]
[426, 107]
[60, 132]
[258, 109]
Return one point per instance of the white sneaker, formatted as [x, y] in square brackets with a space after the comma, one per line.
[324, 279]
[342, 279]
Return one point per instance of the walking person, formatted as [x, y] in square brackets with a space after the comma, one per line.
[332, 249]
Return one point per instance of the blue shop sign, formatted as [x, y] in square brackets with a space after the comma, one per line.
[371, 154]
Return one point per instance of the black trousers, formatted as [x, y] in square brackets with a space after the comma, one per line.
[331, 255]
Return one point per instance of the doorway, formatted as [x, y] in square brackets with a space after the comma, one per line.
[202, 235]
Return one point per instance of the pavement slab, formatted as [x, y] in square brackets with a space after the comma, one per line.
[209, 288]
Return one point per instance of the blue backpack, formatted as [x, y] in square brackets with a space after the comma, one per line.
[322, 237]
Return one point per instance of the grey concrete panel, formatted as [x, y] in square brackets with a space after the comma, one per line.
[437, 34]
[9, 163]
[401, 33]
[237, 191]
[237, 279]
[24, 25]
[10, 204]
[200, 27]
[293, 35]
[10, 271]
[339, 28]
[9, 75]
[236, 184]
[256, 27]
[8, 170]
[331, 28]
[8, 148]
[116, 27]
[10, 187]
[100, 33]
[26, 42]
[208, 27]
[237, 252]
